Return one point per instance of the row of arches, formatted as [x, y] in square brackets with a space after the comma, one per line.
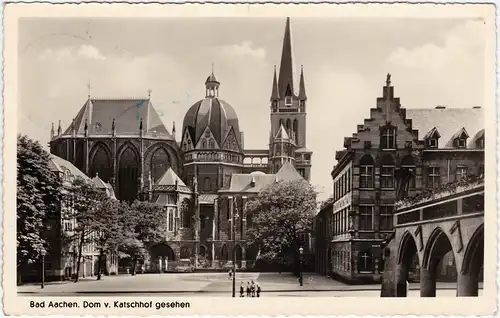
[430, 259]
[128, 167]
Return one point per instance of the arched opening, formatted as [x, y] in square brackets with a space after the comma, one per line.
[160, 162]
[101, 164]
[185, 214]
[288, 125]
[224, 253]
[296, 128]
[128, 169]
[239, 252]
[366, 172]
[438, 257]
[472, 266]
[408, 264]
[203, 251]
[161, 255]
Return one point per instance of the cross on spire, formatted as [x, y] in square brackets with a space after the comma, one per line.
[88, 88]
[149, 93]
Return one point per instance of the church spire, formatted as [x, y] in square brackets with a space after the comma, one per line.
[287, 69]
[302, 93]
[275, 95]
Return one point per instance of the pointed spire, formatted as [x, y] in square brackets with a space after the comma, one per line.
[59, 129]
[275, 94]
[173, 130]
[287, 69]
[302, 93]
[52, 132]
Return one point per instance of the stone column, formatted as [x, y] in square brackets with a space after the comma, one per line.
[467, 285]
[427, 283]
[401, 276]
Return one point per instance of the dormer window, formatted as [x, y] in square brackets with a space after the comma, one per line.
[460, 139]
[388, 138]
[432, 143]
[461, 143]
[288, 100]
[432, 138]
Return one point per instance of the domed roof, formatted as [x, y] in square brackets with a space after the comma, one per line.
[211, 78]
[217, 114]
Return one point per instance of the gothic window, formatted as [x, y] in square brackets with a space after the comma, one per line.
[302, 105]
[281, 124]
[185, 252]
[388, 138]
[461, 173]
[128, 175]
[275, 106]
[211, 144]
[288, 125]
[159, 163]
[366, 172]
[366, 217]
[295, 128]
[433, 177]
[204, 144]
[408, 163]
[206, 184]
[185, 215]
[387, 172]
[101, 164]
[170, 220]
[386, 217]
[288, 101]
[365, 261]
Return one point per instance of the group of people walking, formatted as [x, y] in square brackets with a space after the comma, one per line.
[252, 289]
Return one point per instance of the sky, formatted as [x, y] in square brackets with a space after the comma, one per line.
[432, 62]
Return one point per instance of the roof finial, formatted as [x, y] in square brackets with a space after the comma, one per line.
[59, 129]
[388, 80]
[149, 93]
[88, 88]
[212, 68]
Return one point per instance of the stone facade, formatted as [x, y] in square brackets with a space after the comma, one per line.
[433, 143]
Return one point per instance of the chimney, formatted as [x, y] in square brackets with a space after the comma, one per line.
[476, 107]
[440, 107]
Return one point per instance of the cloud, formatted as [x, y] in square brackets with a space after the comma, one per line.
[72, 53]
[244, 49]
[459, 45]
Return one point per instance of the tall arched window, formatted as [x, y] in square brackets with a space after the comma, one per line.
[366, 172]
[204, 144]
[387, 172]
[160, 162]
[206, 184]
[128, 175]
[101, 164]
[296, 128]
[288, 125]
[408, 163]
[211, 144]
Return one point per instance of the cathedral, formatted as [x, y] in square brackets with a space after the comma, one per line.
[202, 179]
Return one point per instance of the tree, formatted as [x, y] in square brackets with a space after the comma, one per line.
[145, 225]
[38, 198]
[279, 214]
[87, 200]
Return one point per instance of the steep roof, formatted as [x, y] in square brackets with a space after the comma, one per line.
[100, 184]
[98, 115]
[58, 164]
[257, 181]
[170, 178]
[447, 121]
[281, 134]
[287, 74]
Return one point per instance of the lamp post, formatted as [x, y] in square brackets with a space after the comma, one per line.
[301, 252]
[234, 217]
[43, 268]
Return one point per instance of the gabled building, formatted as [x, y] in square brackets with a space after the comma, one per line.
[439, 145]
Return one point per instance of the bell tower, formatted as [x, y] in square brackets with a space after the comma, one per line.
[289, 104]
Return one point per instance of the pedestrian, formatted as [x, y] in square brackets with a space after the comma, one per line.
[242, 290]
[252, 288]
[248, 289]
[258, 290]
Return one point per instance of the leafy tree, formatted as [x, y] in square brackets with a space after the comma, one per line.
[145, 226]
[279, 214]
[38, 197]
[87, 201]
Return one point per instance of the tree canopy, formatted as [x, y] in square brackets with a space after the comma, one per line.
[38, 197]
[279, 214]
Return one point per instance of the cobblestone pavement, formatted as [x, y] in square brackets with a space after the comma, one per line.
[215, 285]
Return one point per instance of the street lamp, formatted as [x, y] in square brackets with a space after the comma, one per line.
[43, 268]
[301, 252]
[233, 221]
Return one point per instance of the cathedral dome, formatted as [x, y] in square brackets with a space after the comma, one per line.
[213, 113]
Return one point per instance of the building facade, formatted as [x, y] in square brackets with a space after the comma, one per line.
[439, 145]
[125, 142]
